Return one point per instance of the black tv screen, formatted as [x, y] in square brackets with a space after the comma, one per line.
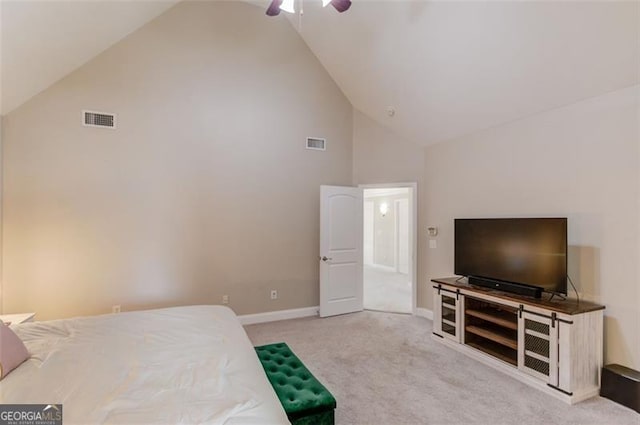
[529, 251]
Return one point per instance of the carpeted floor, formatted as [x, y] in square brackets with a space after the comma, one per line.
[386, 291]
[385, 369]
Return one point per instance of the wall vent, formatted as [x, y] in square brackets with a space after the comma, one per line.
[98, 119]
[316, 143]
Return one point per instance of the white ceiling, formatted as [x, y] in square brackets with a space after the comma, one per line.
[452, 68]
[42, 41]
[447, 68]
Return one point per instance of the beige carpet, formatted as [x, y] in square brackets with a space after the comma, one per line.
[386, 291]
[385, 369]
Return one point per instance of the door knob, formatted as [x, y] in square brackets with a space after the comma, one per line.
[326, 258]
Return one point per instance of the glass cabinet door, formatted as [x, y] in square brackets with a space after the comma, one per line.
[447, 321]
[448, 308]
[538, 347]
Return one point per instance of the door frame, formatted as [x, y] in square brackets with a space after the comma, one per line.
[413, 189]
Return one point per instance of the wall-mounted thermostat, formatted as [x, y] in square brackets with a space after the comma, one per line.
[433, 231]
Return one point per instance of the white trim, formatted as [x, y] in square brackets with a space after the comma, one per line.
[423, 312]
[413, 186]
[274, 316]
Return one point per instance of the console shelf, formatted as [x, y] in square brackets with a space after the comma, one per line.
[502, 318]
[497, 351]
[555, 346]
[494, 336]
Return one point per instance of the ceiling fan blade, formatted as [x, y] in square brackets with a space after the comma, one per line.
[341, 5]
[274, 8]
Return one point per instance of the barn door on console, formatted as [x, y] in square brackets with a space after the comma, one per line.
[538, 346]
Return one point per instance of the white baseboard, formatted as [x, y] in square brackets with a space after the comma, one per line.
[423, 312]
[273, 316]
[296, 313]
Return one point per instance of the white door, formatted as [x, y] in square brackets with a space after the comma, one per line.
[340, 250]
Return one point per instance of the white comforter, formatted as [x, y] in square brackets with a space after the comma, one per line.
[169, 366]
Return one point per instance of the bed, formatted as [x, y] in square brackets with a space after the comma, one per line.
[168, 366]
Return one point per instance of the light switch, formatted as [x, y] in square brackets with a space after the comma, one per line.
[433, 244]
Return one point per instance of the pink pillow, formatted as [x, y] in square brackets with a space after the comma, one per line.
[12, 350]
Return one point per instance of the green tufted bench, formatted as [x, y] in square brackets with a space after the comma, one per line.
[305, 400]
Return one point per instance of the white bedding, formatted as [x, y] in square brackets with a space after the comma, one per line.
[169, 366]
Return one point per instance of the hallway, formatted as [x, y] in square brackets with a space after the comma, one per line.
[386, 290]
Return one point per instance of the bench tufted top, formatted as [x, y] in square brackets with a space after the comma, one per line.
[300, 393]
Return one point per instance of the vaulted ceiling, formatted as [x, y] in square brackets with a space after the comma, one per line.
[44, 40]
[452, 68]
[445, 68]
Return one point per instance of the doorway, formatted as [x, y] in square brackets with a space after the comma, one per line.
[389, 223]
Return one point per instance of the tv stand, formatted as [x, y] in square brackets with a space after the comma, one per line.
[555, 346]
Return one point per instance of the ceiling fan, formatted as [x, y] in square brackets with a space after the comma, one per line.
[288, 6]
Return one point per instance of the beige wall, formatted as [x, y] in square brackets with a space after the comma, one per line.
[1, 197]
[381, 156]
[204, 189]
[581, 162]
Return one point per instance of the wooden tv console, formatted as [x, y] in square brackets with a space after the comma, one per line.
[555, 346]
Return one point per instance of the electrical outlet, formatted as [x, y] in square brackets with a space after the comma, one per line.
[274, 294]
[115, 308]
[225, 299]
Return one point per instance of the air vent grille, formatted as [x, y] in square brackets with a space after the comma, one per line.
[99, 119]
[316, 143]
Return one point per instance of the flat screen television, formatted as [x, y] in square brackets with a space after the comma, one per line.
[531, 252]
